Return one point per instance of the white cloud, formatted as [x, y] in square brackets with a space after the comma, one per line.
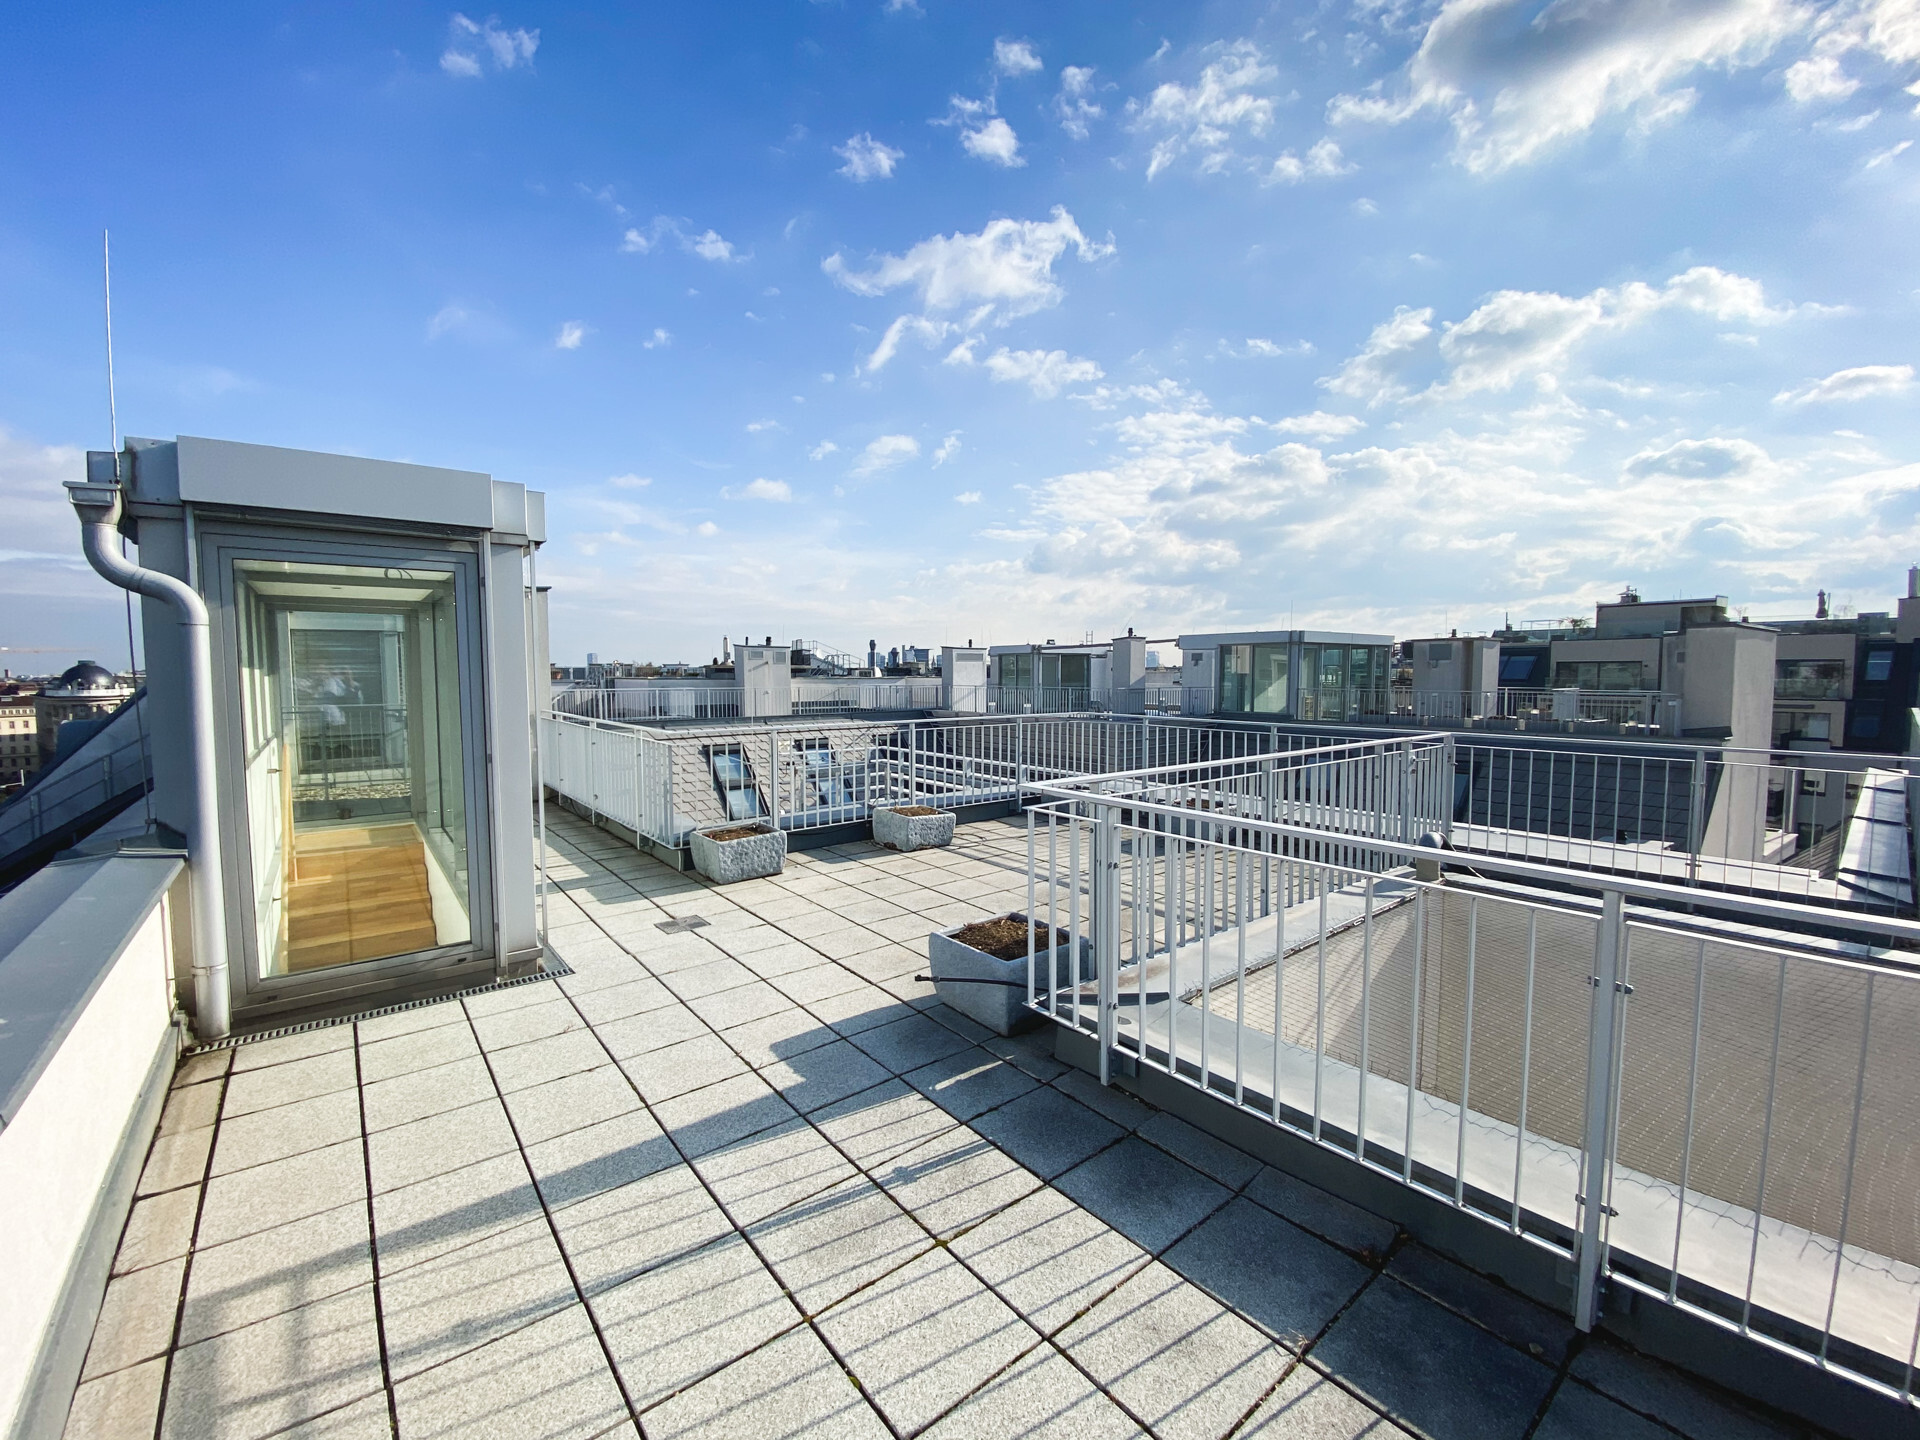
[949, 448]
[1320, 425]
[1074, 104]
[472, 45]
[706, 528]
[659, 340]
[1045, 372]
[709, 246]
[1258, 349]
[1015, 57]
[1892, 152]
[755, 427]
[886, 452]
[1862, 382]
[1699, 460]
[928, 331]
[1530, 334]
[994, 141]
[1204, 116]
[822, 450]
[1322, 162]
[1007, 267]
[777, 491]
[629, 482]
[1819, 77]
[572, 333]
[465, 322]
[1515, 81]
[867, 158]
[967, 497]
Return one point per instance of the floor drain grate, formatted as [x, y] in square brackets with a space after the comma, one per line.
[681, 925]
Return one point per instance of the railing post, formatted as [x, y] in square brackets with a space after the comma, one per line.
[773, 774]
[1105, 908]
[1019, 758]
[1406, 792]
[1596, 1160]
[1696, 816]
[1449, 781]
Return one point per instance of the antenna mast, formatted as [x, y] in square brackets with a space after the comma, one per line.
[106, 286]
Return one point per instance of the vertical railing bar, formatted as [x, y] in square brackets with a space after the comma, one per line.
[1240, 977]
[1766, 1139]
[1853, 1143]
[1466, 1058]
[1320, 1015]
[1032, 927]
[1413, 1035]
[1279, 990]
[1366, 982]
[1206, 975]
[1526, 1063]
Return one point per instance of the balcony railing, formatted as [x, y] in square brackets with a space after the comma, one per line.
[1711, 1116]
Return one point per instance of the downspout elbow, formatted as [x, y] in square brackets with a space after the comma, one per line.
[98, 506]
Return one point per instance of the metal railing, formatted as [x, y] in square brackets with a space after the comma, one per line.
[1715, 1118]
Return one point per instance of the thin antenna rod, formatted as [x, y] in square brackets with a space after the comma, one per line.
[106, 286]
[113, 426]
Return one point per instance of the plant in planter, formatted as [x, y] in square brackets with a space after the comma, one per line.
[980, 969]
[912, 827]
[726, 853]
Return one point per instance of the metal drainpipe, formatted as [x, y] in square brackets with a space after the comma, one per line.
[98, 505]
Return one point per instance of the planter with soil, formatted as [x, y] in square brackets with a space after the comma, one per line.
[726, 853]
[912, 827]
[980, 969]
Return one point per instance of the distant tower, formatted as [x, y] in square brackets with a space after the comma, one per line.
[1820, 608]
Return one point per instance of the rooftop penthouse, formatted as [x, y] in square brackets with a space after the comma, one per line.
[435, 1061]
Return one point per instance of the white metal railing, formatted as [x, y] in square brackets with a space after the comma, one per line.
[1714, 1117]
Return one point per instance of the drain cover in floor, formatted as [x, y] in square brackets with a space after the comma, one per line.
[681, 925]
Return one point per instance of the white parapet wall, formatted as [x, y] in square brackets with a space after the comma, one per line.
[88, 1044]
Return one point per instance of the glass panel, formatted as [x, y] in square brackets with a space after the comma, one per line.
[1812, 679]
[1333, 666]
[1269, 679]
[1076, 671]
[1307, 706]
[1236, 666]
[1879, 665]
[1620, 675]
[355, 766]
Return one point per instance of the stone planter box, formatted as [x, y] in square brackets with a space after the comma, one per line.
[763, 851]
[993, 991]
[912, 827]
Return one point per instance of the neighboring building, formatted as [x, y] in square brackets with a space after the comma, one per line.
[1288, 674]
[19, 742]
[84, 692]
[1049, 677]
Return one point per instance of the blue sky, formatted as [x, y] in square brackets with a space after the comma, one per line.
[940, 322]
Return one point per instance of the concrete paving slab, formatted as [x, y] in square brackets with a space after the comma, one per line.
[877, 1124]
[823, 1075]
[1046, 1131]
[1048, 1258]
[611, 1237]
[438, 1144]
[597, 1158]
[1652, 1389]
[464, 1298]
[158, 1228]
[722, 1113]
[909, 1043]
[1276, 1275]
[273, 1271]
[970, 1082]
[249, 1201]
[136, 1318]
[290, 1129]
[419, 1222]
[1041, 1398]
[765, 1173]
[1578, 1413]
[1309, 1406]
[570, 1103]
[662, 1074]
[829, 1245]
[547, 1381]
[1144, 1193]
[955, 1180]
[414, 1096]
[122, 1405]
[1328, 1216]
[419, 1050]
[781, 1391]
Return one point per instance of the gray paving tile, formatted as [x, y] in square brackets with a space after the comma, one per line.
[923, 1338]
[613, 1236]
[273, 1194]
[521, 1067]
[600, 1157]
[522, 996]
[272, 1271]
[200, 1068]
[1046, 1131]
[779, 1037]
[364, 1419]
[954, 1180]
[825, 1075]
[663, 1074]
[1429, 1369]
[418, 1222]
[426, 1092]
[554, 1015]
[765, 1173]
[268, 1377]
[571, 1103]
[1667, 1395]
[650, 1030]
[176, 1160]
[970, 1082]
[1309, 1406]
[1578, 1413]
[466, 1297]
[827, 1246]
[1328, 1216]
[548, 1381]
[1144, 1193]
[722, 1113]
[290, 1129]
[852, 1011]
[437, 1144]
[1031, 1052]
[417, 1050]
[817, 981]
[158, 1228]
[1049, 1258]
[407, 1022]
[262, 1054]
[1272, 1273]
[909, 1043]
[1188, 1366]
[190, 1107]
[262, 1089]
[709, 977]
[877, 1124]
[620, 1002]
[792, 1387]
[1041, 1398]
[781, 959]
[1514, 1318]
[1115, 1104]
[691, 1315]
[122, 1405]
[1232, 1168]
[753, 1001]
[136, 1318]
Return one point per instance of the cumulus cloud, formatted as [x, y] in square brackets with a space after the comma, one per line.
[822, 450]
[709, 246]
[1529, 334]
[1699, 460]
[473, 47]
[948, 448]
[1045, 372]
[993, 140]
[1259, 349]
[572, 335]
[659, 340]
[706, 529]
[1205, 116]
[1324, 161]
[1862, 382]
[967, 497]
[1320, 425]
[927, 331]
[1007, 268]
[629, 482]
[885, 452]
[756, 427]
[1515, 79]
[1015, 57]
[1819, 77]
[867, 158]
[762, 489]
[1074, 105]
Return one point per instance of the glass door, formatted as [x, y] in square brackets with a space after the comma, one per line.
[357, 745]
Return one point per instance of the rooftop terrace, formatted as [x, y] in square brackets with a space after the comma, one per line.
[739, 1174]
